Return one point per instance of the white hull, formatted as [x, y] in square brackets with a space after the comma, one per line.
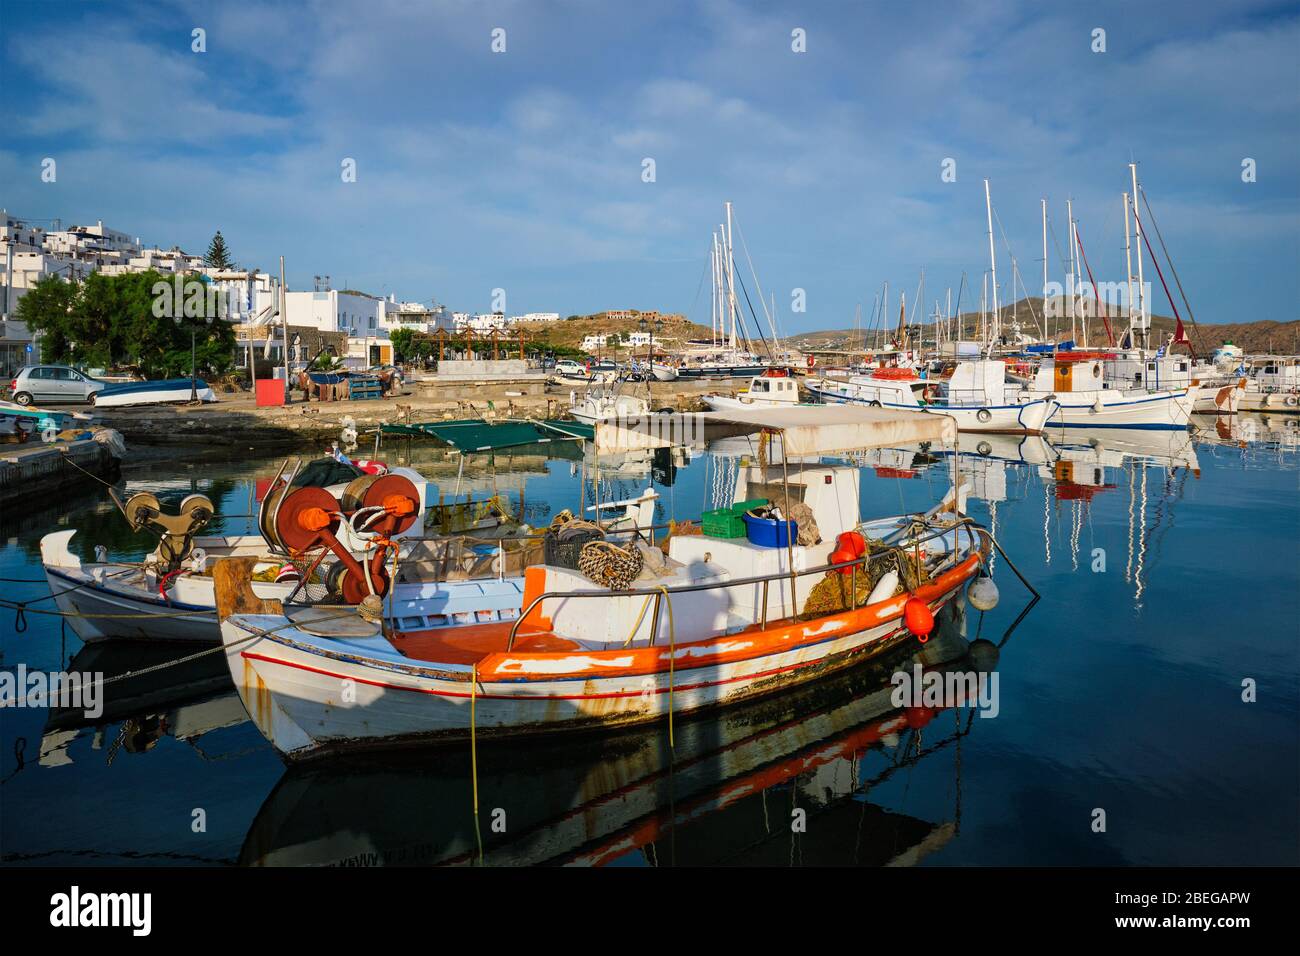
[1029, 418]
[155, 397]
[112, 601]
[1115, 409]
[292, 683]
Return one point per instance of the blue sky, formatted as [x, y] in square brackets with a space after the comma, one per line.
[522, 170]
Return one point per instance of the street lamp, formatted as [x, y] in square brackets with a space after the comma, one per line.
[179, 318]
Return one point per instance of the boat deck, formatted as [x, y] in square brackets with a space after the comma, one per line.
[470, 643]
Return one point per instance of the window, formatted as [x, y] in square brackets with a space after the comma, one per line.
[62, 374]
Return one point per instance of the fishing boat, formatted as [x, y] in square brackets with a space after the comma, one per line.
[169, 596]
[163, 391]
[623, 797]
[31, 419]
[721, 620]
[663, 372]
[776, 387]
[975, 393]
[604, 402]
[1076, 381]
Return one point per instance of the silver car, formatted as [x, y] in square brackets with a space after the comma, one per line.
[40, 384]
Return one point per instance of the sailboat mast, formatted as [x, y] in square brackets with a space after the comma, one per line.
[1128, 269]
[1044, 201]
[1069, 215]
[993, 263]
[1137, 228]
[1083, 310]
[717, 290]
[731, 279]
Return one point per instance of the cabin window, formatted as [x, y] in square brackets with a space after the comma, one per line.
[1151, 366]
[1137, 376]
[760, 386]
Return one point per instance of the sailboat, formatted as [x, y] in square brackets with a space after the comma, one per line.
[724, 358]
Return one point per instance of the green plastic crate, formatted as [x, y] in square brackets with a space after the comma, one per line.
[728, 522]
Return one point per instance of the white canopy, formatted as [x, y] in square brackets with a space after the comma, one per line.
[804, 429]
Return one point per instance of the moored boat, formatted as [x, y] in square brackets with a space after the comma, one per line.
[723, 620]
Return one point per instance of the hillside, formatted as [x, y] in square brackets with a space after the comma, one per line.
[569, 333]
[1254, 337]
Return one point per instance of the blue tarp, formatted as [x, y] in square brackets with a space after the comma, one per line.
[1050, 347]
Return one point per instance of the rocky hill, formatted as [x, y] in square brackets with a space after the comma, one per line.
[1253, 337]
[569, 333]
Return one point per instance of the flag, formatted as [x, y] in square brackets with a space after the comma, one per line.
[1180, 334]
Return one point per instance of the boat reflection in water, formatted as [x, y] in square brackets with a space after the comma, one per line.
[727, 790]
[170, 696]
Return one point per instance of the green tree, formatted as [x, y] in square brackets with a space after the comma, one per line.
[218, 256]
[403, 344]
[47, 309]
[111, 321]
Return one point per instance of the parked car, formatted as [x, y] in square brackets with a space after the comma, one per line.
[570, 368]
[42, 384]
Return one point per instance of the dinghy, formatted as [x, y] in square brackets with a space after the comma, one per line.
[721, 620]
[160, 392]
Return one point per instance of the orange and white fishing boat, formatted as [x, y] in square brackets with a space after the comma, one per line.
[719, 621]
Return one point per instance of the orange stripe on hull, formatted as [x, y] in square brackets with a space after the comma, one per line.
[724, 649]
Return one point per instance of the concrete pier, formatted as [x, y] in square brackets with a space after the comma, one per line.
[37, 471]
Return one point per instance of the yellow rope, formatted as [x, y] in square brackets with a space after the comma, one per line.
[639, 618]
[672, 658]
[473, 754]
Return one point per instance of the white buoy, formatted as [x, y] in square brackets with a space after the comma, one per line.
[982, 593]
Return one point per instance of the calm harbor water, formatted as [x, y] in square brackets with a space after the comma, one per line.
[1168, 568]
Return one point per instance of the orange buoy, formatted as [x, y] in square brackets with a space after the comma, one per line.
[840, 555]
[917, 617]
[853, 542]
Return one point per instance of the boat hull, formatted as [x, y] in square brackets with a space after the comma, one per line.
[1158, 410]
[721, 371]
[315, 696]
[1029, 418]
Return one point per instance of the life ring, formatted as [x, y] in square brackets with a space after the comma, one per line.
[929, 394]
[984, 415]
[1292, 401]
[812, 361]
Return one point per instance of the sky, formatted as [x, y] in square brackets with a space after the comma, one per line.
[525, 170]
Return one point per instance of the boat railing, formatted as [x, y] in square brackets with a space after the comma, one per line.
[974, 530]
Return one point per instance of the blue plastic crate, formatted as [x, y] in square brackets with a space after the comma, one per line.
[770, 533]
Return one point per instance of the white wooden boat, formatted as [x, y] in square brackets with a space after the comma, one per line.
[774, 388]
[604, 402]
[170, 596]
[1076, 381]
[719, 624]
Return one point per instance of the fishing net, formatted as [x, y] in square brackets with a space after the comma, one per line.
[608, 564]
[834, 592]
[679, 528]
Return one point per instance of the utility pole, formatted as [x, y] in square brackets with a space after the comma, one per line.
[284, 325]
